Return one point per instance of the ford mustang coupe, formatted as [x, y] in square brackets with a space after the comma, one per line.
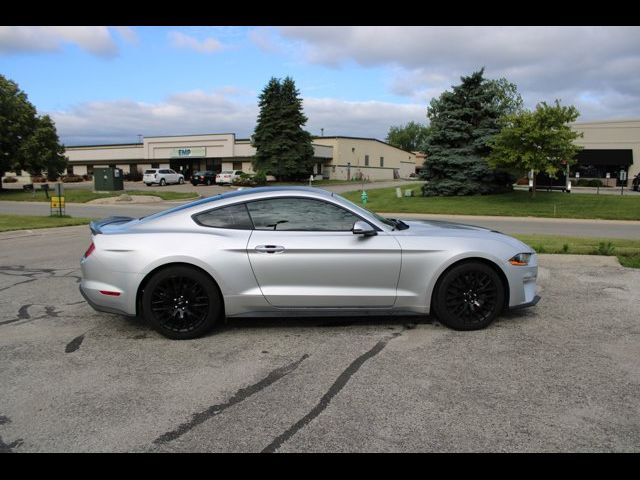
[293, 251]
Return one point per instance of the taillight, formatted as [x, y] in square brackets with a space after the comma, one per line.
[90, 250]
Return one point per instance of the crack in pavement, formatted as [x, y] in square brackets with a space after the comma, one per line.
[74, 344]
[8, 447]
[239, 396]
[338, 385]
[23, 314]
[32, 274]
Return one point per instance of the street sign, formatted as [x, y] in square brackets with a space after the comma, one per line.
[623, 175]
[57, 202]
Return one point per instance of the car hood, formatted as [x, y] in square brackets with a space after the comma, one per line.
[430, 228]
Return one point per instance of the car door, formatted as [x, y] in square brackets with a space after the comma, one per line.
[173, 176]
[304, 254]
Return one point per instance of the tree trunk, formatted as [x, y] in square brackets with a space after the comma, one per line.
[533, 190]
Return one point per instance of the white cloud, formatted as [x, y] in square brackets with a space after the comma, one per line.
[223, 110]
[545, 62]
[181, 40]
[95, 40]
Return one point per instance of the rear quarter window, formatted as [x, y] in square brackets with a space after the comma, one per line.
[234, 217]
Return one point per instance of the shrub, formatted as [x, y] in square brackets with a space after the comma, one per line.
[605, 249]
[260, 178]
[9, 180]
[72, 179]
[39, 179]
[565, 248]
[247, 180]
[87, 177]
[592, 182]
[244, 180]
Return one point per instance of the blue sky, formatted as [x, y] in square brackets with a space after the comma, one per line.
[109, 84]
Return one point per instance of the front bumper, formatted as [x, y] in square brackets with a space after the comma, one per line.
[535, 300]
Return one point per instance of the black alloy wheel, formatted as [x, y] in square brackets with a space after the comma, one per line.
[181, 302]
[469, 296]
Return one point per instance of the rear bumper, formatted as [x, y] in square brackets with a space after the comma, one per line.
[101, 308]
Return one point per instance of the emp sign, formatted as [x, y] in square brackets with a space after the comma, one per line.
[184, 152]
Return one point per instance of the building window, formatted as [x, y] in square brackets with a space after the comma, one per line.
[155, 165]
[18, 172]
[70, 170]
[89, 169]
[366, 160]
[237, 165]
[382, 161]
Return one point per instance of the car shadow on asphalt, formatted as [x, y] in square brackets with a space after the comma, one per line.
[140, 327]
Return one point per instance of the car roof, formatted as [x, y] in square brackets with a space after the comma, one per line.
[241, 193]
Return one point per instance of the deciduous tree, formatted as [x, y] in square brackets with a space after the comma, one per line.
[539, 140]
[409, 137]
[27, 141]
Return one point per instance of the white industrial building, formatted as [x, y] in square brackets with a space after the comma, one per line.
[342, 158]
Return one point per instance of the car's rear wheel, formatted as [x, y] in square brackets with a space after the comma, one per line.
[469, 296]
[208, 181]
[181, 302]
[148, 184]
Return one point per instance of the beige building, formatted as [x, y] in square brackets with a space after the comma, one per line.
[343, 158]
[608, 147]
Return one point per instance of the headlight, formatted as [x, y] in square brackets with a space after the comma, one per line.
[520, 260]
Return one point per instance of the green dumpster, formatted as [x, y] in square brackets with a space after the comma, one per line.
[108, 179]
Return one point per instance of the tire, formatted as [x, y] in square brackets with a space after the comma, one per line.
[181, 180]
[163, 182]
[173, 317]
[148, 184]
[469, 296]
[208, 182]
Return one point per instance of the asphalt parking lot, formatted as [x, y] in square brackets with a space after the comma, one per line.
[563, 376]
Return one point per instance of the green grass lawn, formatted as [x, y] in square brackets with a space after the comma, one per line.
[30, 222]
[78, 195]
[627, 251]
[516, 204]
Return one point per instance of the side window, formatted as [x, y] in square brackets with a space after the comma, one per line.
[233, 216]
[301, 214]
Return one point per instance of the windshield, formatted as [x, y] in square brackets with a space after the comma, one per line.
[149, 171]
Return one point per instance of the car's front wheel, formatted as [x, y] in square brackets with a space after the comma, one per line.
[181, 180]
[181, 302]
[469, 296]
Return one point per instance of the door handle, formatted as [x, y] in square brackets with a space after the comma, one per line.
[269, 249]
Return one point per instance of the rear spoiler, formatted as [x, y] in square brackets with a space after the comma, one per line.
[96, 226]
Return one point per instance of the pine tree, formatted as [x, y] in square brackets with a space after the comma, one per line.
[462, 123]
[283, 148]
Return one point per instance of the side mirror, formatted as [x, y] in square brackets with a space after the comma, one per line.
[363, 228]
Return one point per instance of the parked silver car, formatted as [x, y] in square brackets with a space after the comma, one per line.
[282, 251]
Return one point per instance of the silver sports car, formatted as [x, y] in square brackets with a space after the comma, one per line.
[299, 251]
